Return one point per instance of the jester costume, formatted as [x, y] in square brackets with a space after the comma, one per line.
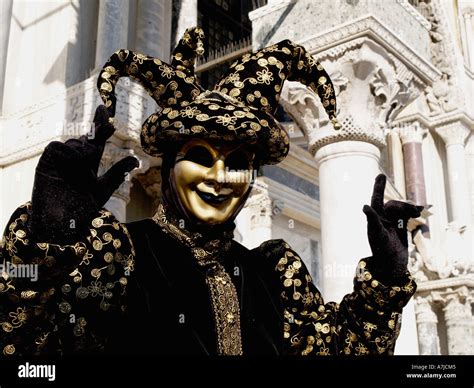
[160, 286]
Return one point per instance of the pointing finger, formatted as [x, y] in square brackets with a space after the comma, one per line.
[378, 194]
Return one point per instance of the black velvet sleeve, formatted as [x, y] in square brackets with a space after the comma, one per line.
[367, 321]
[60, 299]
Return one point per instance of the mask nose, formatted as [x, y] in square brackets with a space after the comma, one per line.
[216, 175]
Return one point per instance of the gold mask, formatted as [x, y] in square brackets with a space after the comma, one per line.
[212, 180]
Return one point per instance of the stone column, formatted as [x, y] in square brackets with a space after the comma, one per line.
[5, 18]
[187, 17]
[348, 159]
[398, 166]
[154, 28]
[454, 136]
[112, 30]
[468, 41]
[458, 316]
[426, 322]
[347, 170]
[412, 138]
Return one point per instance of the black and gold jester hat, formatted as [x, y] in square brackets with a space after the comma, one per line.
[240, 108]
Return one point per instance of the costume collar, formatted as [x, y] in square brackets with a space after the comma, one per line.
[207, 244]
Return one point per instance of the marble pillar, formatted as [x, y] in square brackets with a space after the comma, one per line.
[5, 19]
[412, 137]
[347, 170]
[467, 26]
[459, 328]
[153, 28]
[454, 136]
[112, 29]
[348, 159]
[427, 324]
[398, 166]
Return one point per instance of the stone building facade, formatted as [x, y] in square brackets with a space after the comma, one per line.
[404, 77]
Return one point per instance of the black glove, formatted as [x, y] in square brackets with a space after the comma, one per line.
[387, 233]
[67, 191]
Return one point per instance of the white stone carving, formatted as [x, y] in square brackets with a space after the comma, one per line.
[112, 29]
[415, 13]
[459, 320]
[326, 45]
[272, 6]
[260, 205]
[427, 321]
[412, 133]
[453, 134]
[371, 87]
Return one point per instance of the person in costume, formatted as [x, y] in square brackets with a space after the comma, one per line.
[177, 283]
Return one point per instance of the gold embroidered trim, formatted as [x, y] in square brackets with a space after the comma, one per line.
[225, 305]
[224, 299]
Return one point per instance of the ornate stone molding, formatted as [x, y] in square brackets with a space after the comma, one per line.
[468, 11]
[371, 87]
[302, 105]
[444, 96]
[455, 117]
[443, 284]
[69, 114]
[349, 131]
[453, 133]
[272, 6]
[415, 13]
[439, 96]
[325, 45]
[293, 204]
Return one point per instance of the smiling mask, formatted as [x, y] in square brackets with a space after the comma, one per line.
[212, 181]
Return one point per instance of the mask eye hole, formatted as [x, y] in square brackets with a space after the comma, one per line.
[199, 155]
[238, 160]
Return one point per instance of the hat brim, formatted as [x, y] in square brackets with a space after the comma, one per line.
[218, 118]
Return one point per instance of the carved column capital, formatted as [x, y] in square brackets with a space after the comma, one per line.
[468, 11]
[456, 305]
[411, 132]
[371, 86]
[453, 133]
[424, 310]
[260, 206]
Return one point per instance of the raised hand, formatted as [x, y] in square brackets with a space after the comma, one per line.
[67, 191]
[387, 233]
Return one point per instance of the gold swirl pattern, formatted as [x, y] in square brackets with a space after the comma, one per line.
[365, 322]
[240, 108]
[95, 268]
[222, 291]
